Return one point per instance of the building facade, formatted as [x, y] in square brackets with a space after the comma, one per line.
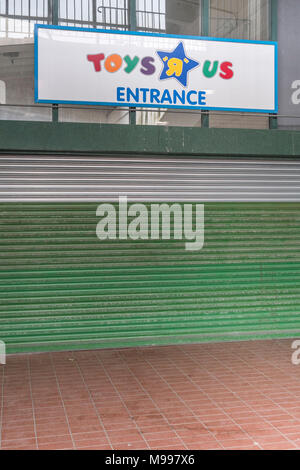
[63, 288]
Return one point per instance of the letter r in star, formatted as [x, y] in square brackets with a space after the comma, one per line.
[176, 64]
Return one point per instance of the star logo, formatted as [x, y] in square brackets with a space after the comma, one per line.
[176, 64]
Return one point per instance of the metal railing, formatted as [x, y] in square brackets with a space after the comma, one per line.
[151, 15]
[112, 14]
[17, 17]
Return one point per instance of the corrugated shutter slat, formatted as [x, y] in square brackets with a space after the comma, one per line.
[62, 288]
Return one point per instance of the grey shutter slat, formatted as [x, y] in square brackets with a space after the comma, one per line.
[99, 178]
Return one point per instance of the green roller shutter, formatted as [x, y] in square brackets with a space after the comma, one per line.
[62, 288]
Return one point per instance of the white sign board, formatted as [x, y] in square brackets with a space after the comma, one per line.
[117, 68]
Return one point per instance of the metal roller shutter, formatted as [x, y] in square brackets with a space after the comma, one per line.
[86, 178]
[61, 288]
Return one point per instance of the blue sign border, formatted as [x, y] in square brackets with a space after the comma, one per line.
[137, 33]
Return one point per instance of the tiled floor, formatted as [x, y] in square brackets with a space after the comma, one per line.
[208, 396]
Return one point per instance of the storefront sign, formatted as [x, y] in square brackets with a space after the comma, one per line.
[117, 68]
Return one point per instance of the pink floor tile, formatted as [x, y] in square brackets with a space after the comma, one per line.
[207, 396]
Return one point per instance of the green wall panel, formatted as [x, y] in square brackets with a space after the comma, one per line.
[62, 288]
[41, 137]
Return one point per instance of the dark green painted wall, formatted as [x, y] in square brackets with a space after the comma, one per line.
[20, 137]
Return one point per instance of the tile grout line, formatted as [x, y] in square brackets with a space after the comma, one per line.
[229, 381]
[253, 409]
[62, 400]
[156, 406]
[120, 396]
[185, 404]
[266, 396]
[92, 400]
[274, 382]
[32, 401]
[217, 405]
[234, 393]
[2, 404]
